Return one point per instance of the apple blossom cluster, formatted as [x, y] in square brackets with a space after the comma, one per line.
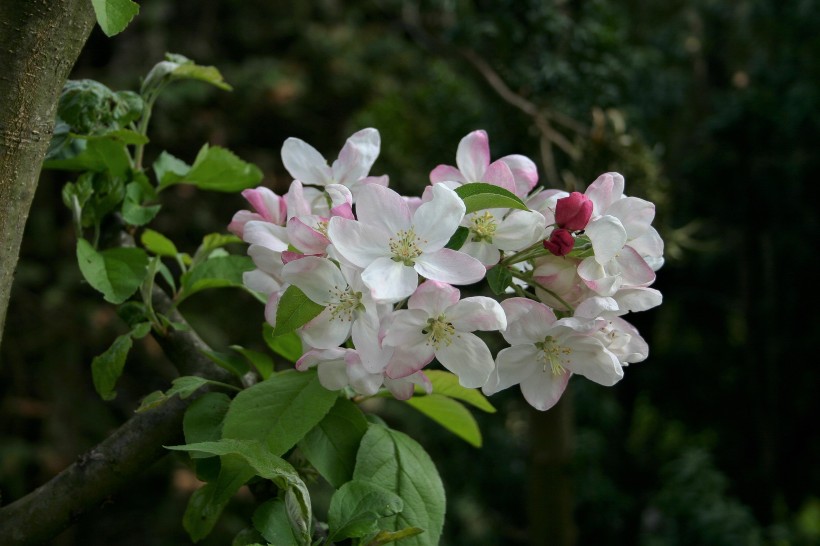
[381, 271]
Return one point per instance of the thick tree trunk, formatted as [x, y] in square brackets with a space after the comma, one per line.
[39, 42]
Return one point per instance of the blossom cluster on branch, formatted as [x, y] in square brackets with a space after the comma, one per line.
[365, 276]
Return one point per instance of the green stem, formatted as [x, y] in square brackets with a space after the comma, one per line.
[523, 277]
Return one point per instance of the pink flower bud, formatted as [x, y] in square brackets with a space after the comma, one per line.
[560, 242]
[573, 212]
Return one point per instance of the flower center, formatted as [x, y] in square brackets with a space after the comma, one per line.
[405, 246]
[553, 354]
[483, 227]
[343, 303]
[321, 227]
[439, 332]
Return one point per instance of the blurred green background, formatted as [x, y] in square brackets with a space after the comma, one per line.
[710, 108]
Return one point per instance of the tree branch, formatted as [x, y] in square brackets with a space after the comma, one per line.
[42, 514]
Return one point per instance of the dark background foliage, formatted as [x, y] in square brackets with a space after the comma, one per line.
[709, 108]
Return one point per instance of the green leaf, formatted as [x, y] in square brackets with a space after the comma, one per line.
[116, 272]
[206, 504]
[262, 362]
[332, 445]
[249, 537]
[450, 414]
[278, 411]
[480, 196]
[395, 461]
[458, 239]
[203, 418]
[218, 169]
[357, 506]
[271, 521]
[446, 384]
[228, 361]
[216, 272]
[169, 170]
[266, 465]
[295, 310]
[107, 368]
[133, 210]
[386, 537]
[88, 108]
[179, 67]
[288, 346]
[212, 242]
[158, 243]
[184, 386]
[114, 15]
[499, 278]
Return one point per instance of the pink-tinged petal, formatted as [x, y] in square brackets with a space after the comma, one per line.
[446, 173]
[486, 253]
[382, 180]
[543, 390]
[365, 335]
[634, 270]
[389, 281]
[409, 360]
[318, 278]
[265, 234]
[637, 299]
[269, 205]
[333, 375]
[298, 204]
[433, 297]
[290, 256]
[362, 381]
[357, 242]
[339, 195]
[303, 234]
[382, 209]
[326, 331]
[477, 313]
[316, 356]
[513, 365]
[608, 237]
[650, 247]
[473, 155]
[260, 281]
[590, 359]
[304, 163]
[406, 329]
[635, 214]
[450, 266]
[403, 389]
[267, 260]
[524, 171]
[527, 321]
[499, 174]
[607, 188]
[237, 225]
[357, 156]
[573, 212]
[468, 357]
[436, 220]
[627, 344]
[597, 279]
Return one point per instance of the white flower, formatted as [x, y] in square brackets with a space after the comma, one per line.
[393, 246]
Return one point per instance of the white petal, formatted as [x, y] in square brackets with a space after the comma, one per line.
[382, 209]
[389, 281]
[527, 321]
[525, 173]
[304, 163]
[357, 242]
[326, 331]
[597, 278]
[650, 247]
[469, 358]
[633, 269]
[590, 359]
[304, 236]
[319, 278]
[357, 156]
[362, 381]
[266, 234]
[260, 281]
[543, 390]
[267, 260]
[520, 229]
[477, 313]
[637, 299]
[450, 266]
[435, 221]
[446, 173]
[499, 174]
[409, 360]
[406, 328]
[333, 375]
[608, 237]
[433, 297]
[635, 214]
[473, 155]
[607, 188]
[513, 365]
[486, 253]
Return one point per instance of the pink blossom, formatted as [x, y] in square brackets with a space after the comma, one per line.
[560, 242]
[573, 212]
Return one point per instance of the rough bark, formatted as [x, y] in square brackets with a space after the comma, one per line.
[39, 42]
[44, 513]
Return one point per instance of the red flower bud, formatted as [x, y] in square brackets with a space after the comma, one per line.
[573, 212]
[560, 242]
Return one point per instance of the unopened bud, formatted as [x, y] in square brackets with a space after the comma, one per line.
[560, 242]
[573, 212]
